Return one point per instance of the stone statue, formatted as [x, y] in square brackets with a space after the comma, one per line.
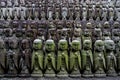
[97, 33]
[2, 57]
[62, 59]
[64, 12]
[12, 58]
[110, 58]
[75, 59]
[84, 14]
[99, 59]
[8, 33]
[25, 58]
[87, 59]
[37, 58]
[118, 58]
[86, 35]
[106, 30]
[49, 63]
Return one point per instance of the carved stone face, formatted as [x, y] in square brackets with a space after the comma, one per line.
[29, 33]
[77, 32]
[76, 45]
[63, 45]
[87, 33]
[25, 44]
[109, 45]
[13, 44]
[89, 25]
[87, 44]
[116, 25]
[106, 25]
[8, 32]
[2, 44]
[99, 45]
[37, 44]
[50, 45]
[19, 33]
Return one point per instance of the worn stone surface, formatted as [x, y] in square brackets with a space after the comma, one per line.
[30, 78]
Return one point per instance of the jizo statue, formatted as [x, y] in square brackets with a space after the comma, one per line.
[12, 58]
[2, 57]
[49, 62]
[37, 58]
[62, 58]
[75, 59]
[25, 58]
[99, 59]
[110, 58]
[87, 59]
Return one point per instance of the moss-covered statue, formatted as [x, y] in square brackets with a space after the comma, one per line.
[99, 59]
[110, 58]
[75, 59]
[25, 58]
[62, 58]
[37, 58]
[12, 58]
[49, 63]
[87, 59]
[2, 57]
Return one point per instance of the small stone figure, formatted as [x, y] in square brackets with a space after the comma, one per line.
[62, 59]
[75, 59]
[118, 58]
[25, 58]
[2, 57]
[99, 59]
[49, 63]
[106, 30]
[64, 12]
[84, 14]
[110, 58]
[97, 33]
[87, 59]
[8, 33]
[86, 35]
[37, 58]
[12, 58]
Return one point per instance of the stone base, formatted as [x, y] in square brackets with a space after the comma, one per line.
[2, 75]
[36, 75]
[24, 75]
[75, 75]
[10, 75]
[112, 75]
[87, 75]
[100, 75]
[62, 75]
[49, 75]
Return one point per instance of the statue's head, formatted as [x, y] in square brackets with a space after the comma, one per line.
[76, 45]
[109, 45]
[87, 44]
[8, 32]
[99, 45]
[116, 24]
[19, 32]
[37, 44]
[50, 45]
[2, 44]
[13, 44]
[89, 25]
[25, 44]
[87, 32]
[63, 45]
[106, 24]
